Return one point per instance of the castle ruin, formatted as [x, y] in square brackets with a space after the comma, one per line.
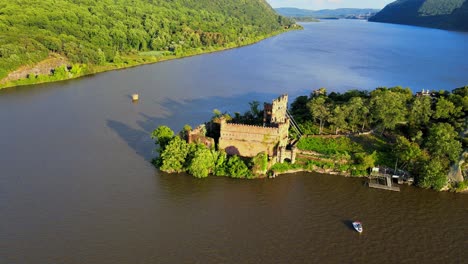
[271, 138]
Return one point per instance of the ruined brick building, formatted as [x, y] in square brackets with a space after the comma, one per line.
[271, 138]
[249, 140]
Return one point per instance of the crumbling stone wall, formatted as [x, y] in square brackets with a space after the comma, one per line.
[248, 140]
[275, 113]
[198, 136]
[279, 108]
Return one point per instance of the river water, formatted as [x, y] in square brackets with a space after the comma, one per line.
[76, 185]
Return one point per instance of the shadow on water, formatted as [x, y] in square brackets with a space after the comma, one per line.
[348, 223]
[198, 111]
[135, 138]
[176, 115]
[139, 138]
[193, 112]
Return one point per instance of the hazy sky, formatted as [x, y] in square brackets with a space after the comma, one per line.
[329, 4]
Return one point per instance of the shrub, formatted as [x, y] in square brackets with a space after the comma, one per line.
[461, 186]
[260, 163]
[202, 164]
[236, 168]
[174, 155]
[433, 175]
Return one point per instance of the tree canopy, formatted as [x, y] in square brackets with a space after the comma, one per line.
[446, 14]
[418, 129]
[98, 32]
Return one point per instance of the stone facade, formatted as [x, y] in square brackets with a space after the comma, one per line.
[198, 136]
[272, 138]
[275, 113]
[248, 141]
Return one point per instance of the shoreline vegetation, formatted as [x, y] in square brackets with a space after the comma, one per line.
[420, 136]
[67, 71]
[52, 40]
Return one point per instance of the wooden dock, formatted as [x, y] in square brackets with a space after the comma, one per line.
[383, 181]
[384, 187]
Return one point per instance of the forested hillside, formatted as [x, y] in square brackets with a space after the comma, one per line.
[89, 32]
[444, 14]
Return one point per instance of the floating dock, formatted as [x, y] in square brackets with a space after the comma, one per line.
[384, 187]
[384, 182]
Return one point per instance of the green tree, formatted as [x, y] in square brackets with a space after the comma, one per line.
[445, 109]
[101, 59]
[421, 112]
[202, 163]
[299, 109]
[388, 108]
[161, 136]
[254, 108]
[433, 175]
[338, 118]
[357, 113]
[442, 142]
[174, 156]
[236, 168]
[319, 110]
[364, 161]
[460, 98]
[221, 163]
[409, 154]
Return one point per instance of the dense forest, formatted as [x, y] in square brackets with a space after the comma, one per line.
[348, 133]
[115, 32]
[444, 14]
[425, 133]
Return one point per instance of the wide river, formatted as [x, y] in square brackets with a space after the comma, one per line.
[76, 185]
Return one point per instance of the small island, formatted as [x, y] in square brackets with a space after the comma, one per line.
[418, 138]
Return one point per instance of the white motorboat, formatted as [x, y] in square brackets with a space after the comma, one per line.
[358, 226]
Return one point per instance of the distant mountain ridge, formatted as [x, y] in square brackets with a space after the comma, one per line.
[443, 14]
[325, 13]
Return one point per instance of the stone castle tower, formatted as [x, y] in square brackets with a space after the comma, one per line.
[275, 113]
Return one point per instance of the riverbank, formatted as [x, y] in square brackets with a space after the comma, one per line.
[37, 74]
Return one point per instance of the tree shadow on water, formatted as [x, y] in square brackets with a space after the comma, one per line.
[193, 112]
[175, 114]
[138, 140]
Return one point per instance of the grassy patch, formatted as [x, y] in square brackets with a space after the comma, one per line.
[383, 149]
[285, 166]
[154, 53]
[329, 146]
[460, 186]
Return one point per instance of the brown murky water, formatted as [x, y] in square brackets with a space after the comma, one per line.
[76, 185]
